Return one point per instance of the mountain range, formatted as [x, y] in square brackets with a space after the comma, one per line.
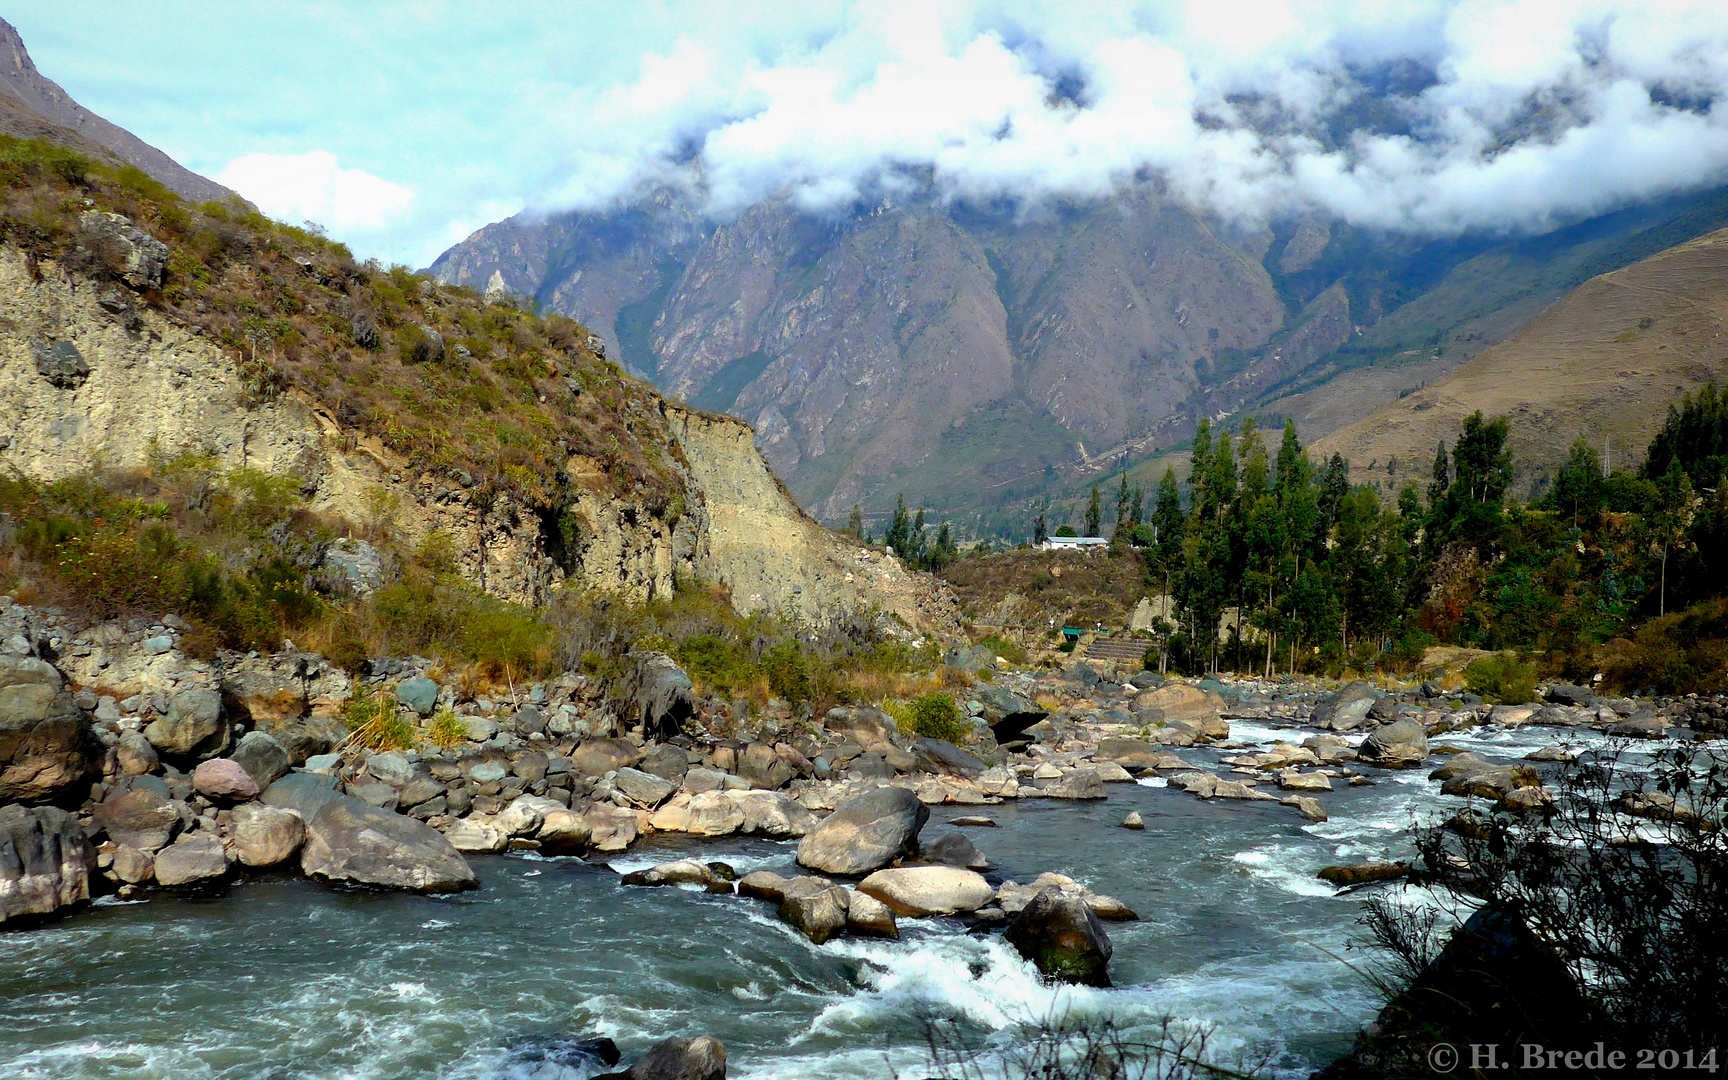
[976, 359]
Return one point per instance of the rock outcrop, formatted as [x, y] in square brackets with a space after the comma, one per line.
[1058, 933]
[46, 743]
[349, 842]
[45, 862]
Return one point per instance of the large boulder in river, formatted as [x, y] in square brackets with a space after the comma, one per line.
[865, 832]
[1007, 713]
[191, 860]
[1347, 708]
[266, 835]
[701, 1058]
[919, 891]
[860, 724]
[139, 814]
[1058, 933]
[942, 756]
[45, 862]
[303, 793]
[262, 756]
[1398, 745]
[224, 778]
[1181, 702]
[349, 842]
[815, 906]
[46, 742]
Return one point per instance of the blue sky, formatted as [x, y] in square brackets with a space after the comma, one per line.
[403, 126]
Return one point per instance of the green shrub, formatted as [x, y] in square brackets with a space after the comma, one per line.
[723, 665]
[788, 671]
[446, 729]
[933, 715]
[1502, 679]
[1004, 648]
[375, 722]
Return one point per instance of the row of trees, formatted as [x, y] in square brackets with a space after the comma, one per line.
[1272, 560]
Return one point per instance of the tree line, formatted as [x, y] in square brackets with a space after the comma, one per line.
[1273, 561]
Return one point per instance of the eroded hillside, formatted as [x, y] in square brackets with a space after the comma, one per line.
[1603, 365]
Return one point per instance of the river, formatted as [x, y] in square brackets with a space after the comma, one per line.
[282, 979]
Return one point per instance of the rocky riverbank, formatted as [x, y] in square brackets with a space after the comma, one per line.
[130, 767]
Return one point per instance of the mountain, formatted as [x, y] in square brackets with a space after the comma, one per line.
[1603, 365]
[26, 93]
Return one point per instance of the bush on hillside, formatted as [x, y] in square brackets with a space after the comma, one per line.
[1686, 652]
[933, 715]
[1502, 679]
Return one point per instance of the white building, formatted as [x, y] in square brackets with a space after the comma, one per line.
[1073, 543]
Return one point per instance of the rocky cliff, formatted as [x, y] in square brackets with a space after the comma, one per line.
[90, 379]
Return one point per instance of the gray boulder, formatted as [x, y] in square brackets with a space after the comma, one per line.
[135, 756]
[391, 767]
[955, 850]
[356, 564]
[266, 835]
[815, 906]
[941, 756]
[701, 1058]
[303, 793]
[194, 727]
[1346, 708]
[261, 756]
[1062, 938]
[191, 860]
[45, 862]
[1007, 713]
[865, 832]
[1399, 745]
[1568, 694]
[352, 843]
[642, 788]
[46, 742]
[596, 757]
[419, 694]
[141, 815]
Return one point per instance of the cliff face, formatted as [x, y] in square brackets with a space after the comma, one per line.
[85, 387]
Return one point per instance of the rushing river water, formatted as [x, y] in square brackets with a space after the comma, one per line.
[281, 978]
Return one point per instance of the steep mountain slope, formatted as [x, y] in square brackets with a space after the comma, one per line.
[22, 85]
[977, 358]
[138, 334]
[1602, 365]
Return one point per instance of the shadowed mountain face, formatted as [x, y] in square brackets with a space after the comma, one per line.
[976, 358]
[26, 92]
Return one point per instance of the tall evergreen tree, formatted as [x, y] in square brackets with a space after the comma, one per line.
[899, 534]
[1094, 514]
[855, 523]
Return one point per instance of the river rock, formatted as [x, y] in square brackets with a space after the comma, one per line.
[193, 728]
[611, 828]
[860, 724]
[816, 907]
[953, 849]
[140, 816]
[419, 790]
[1308, 806]
[190, 860]
[262, 756]
[682, 872]
[701, 1058]
[563, 832]
[134, 867]
[919, 891]
[711, 813]
[666, 761]
[1133, 754]
[1569, 694]
[867, 915]
[643, 789]
[1641, 727]
[46, 741]
[223, 778]
[941, 756]
[1008, 714]
[761, 767]
[1347, 708]
[1363, 873]
[1071, 784]
[134, 754]
[350, 842]
[419, 694]
[391, 767]
[266, 835]
[473, 836]
[1295, 781]
[763, 885]
[865, 832]
[302, 792]
[769, 813]
[975, 821]
[1058, 933]
[597, 757]
[1399, 745]
[45, 862]
[525, 814]
[1011, 896]
[1181, 702]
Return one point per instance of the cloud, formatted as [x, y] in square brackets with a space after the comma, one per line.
[400, 127]
[1433, 117]
[315, 187]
